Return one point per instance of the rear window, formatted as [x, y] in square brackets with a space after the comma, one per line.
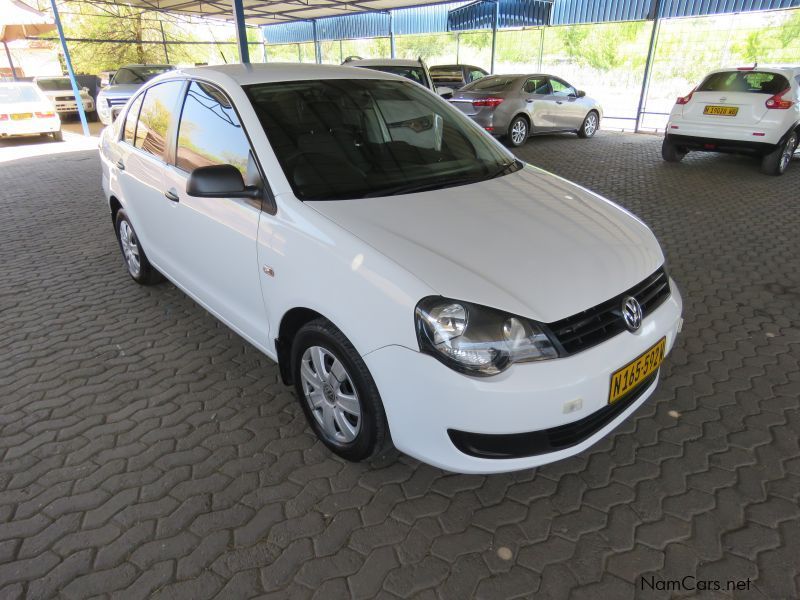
[757, 82]
[446, 73]
[19, 93]
[491, 84]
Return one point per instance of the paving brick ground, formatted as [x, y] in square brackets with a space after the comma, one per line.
[147, 451]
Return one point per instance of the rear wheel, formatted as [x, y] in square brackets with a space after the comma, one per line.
[590, 125]
[777, 161]
[518, 131]
[135, 259]
[337, 392]
[672, 153]
[58, 136]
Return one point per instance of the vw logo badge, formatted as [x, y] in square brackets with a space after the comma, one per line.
[631, 313]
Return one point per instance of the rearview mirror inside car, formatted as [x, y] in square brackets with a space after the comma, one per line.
[219, 181]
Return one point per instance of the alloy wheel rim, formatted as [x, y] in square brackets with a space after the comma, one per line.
[518, 132]
[330, 394]
[788, 150]
[130, 247]
[591, 124]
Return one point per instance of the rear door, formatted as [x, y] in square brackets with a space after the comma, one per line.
[217, 254]
[142, 162]
[539, 103]
[735, 98]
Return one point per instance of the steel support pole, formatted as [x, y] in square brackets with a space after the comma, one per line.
[458, 48]
[75, 89]
[391, 34]
[541, 47]
[495, 19]
[10, 61]
[317, 49]
[164, 40]
[648, 65]
[241, 31]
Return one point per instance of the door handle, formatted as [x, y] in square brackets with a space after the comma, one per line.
[559, 102]
[529, 100]
[120, 165]
[172, 195]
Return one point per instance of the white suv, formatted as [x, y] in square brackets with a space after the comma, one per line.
[747, 110]
[414, 280]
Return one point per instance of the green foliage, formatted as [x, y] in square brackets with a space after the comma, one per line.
[605, 46]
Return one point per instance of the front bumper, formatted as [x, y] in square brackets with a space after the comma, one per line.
[71, 107]
[426, 402]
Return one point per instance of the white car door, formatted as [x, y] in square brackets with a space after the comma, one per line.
[141, 170]
[216, 251]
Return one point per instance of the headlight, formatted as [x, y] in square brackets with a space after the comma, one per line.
[478, 340]
[102, 105]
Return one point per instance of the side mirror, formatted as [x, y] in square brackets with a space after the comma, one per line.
[444, 91]
[219, 181]
[581, 94]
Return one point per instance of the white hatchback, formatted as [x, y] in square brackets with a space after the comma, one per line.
[415, 282]
[749, 110]
[25, 110]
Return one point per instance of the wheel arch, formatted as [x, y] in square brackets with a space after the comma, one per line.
[291, 322]
[115, 205]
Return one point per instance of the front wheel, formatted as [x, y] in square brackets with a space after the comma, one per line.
[590, 125]
[517, 132]
[671, 153]
[337, 393]
[777, 161]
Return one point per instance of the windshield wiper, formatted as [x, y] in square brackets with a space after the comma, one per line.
[410, 188]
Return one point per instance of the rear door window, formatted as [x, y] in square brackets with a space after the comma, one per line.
[155, 116]
[756, 82]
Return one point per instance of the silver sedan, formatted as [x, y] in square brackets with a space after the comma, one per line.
[518, 106]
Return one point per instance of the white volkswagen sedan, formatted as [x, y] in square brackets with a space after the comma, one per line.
[414, 281]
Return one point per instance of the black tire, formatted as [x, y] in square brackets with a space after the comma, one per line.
[590, 125]
[373, 432]
[777, 161]
[145, 274]
[518, 131]
[58, 136]
[672, 153]
[91, 116]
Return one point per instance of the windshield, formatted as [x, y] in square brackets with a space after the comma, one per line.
[135, 75]
[356, 138]
[54, 85]
[10, 94]
[492, 83]
[413, 73]
[757, 82]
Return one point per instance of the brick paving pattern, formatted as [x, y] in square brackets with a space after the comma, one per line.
[147, 451]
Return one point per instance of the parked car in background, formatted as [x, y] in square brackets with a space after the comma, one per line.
[123, 85]
[481, 314]
[747, 110]
[415, 70]
[25, 110]
[515, 107]
[59, 91]
[456, 76]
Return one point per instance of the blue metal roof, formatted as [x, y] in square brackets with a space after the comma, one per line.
[512, 13]
[458, 16]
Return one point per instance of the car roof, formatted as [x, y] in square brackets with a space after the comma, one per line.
[134, 66]
[791, 70]
[377, 62]
[274, 72]
[18, 84]
[455, 66]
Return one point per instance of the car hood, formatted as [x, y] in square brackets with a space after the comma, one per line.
[123, 89]
[529, 243]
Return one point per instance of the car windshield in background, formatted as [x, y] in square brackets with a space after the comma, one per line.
[416, 74]
[136, 75]
[11, 94]
[54, 85]
[343, 138]
[758, 82]
[492, 83]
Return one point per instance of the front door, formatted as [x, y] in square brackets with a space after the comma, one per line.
[217, 250]
[568, 111]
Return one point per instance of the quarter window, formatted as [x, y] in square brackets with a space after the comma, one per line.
[154, 118]
[131, 118]
[210, 132]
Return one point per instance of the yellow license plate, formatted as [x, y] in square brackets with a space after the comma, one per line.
[629, 377]
[721, 111]
[21, 116]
